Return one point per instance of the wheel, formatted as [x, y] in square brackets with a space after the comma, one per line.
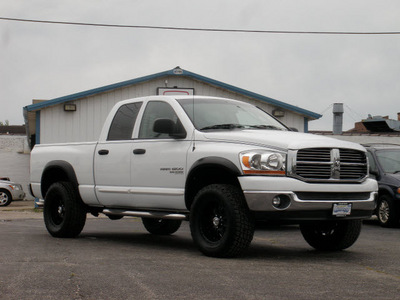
[161, 226]
[64, 213]
[386, 212]
[5, 198]
[220, 222]
[331, 235]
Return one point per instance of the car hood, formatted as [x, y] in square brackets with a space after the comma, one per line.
[6, 182]
[394, 178]
[284, 140]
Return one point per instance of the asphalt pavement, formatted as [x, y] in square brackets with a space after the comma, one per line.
[120, 260]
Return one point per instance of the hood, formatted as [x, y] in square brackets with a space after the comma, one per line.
[6, 182]
[394, 178]
[284, 140]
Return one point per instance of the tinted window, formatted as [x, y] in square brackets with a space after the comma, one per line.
[155, 110]
[389, 160]
[123, 122]
[371, 160]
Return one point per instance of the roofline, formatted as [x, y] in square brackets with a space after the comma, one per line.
[173, 72]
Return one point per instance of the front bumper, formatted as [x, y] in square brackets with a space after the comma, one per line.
[306, 201]
[17, 194]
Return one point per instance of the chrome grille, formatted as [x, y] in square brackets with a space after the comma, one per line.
[329, 164]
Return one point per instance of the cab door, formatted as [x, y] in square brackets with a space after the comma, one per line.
[158, 165]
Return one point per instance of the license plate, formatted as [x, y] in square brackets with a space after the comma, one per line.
[341, 209]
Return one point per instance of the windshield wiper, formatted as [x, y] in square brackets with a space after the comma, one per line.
[223, 126]
[264, 127]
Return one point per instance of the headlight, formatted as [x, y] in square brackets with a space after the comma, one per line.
[15, 187]
[263, 162]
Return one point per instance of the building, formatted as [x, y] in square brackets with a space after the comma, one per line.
[79, 117]
[374, 129]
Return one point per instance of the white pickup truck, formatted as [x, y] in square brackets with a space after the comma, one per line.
[223, 165]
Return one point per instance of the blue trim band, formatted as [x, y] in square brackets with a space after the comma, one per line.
[307, 113]
[305, 125]
[37, 130]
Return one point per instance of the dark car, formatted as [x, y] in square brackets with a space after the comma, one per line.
[384, 162]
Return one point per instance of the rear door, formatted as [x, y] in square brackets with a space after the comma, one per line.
[112, 159]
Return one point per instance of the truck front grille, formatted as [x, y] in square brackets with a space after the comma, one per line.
[328, 164]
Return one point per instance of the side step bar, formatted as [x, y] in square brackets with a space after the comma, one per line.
[145, 214]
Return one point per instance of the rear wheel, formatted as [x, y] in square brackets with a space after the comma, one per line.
[5, 198]
[220, 221]
[331, 235]
[386, 212]
[161, 226]
[64, 213]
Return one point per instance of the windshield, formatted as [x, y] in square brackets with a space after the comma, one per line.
[213, 114]
[389, 160]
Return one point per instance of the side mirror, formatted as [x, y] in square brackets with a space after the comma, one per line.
[167, 126]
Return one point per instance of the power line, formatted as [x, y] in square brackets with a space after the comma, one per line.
[203, 29]
[326, 109]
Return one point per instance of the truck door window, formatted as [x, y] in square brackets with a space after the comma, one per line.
[122, 125]
[156, 110]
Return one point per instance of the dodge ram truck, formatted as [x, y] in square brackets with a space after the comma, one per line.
[221, 164]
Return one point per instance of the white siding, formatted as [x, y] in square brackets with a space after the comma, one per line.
[86, 122]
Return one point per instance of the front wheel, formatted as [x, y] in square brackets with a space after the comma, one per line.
[64, 213]
[161, 226]
[331, 235]
[386, 212]
[220, 222]
[5, 198]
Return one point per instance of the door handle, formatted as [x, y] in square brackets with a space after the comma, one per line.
[103, 152]
[139, 151]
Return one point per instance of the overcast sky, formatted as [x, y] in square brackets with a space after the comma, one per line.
[45, 61]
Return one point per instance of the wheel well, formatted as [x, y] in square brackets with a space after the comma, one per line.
[384, 191]
[206, 175]
[5, 190]
[56, 172]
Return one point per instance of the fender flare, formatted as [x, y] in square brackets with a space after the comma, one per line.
[58, 167]
[203, 163]
[215, 161]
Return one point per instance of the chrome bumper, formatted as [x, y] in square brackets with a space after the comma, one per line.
[263, 201]
[300, 197]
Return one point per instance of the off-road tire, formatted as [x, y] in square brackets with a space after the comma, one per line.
[220, 222]
[386, 212]
[331, 235]
[161, 226]
[5, 198]
[64, 212]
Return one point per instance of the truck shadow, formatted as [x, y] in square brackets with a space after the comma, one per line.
[264, 246]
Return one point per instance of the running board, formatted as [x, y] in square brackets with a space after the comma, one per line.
[145, 214]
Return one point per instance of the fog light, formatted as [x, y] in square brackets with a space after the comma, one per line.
[276, 201]
[281, 201]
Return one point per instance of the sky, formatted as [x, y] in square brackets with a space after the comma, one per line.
[46, 61]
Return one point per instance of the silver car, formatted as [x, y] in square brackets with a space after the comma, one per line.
[10, 191]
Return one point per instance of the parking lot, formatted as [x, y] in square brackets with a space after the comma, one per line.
[120, 260]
